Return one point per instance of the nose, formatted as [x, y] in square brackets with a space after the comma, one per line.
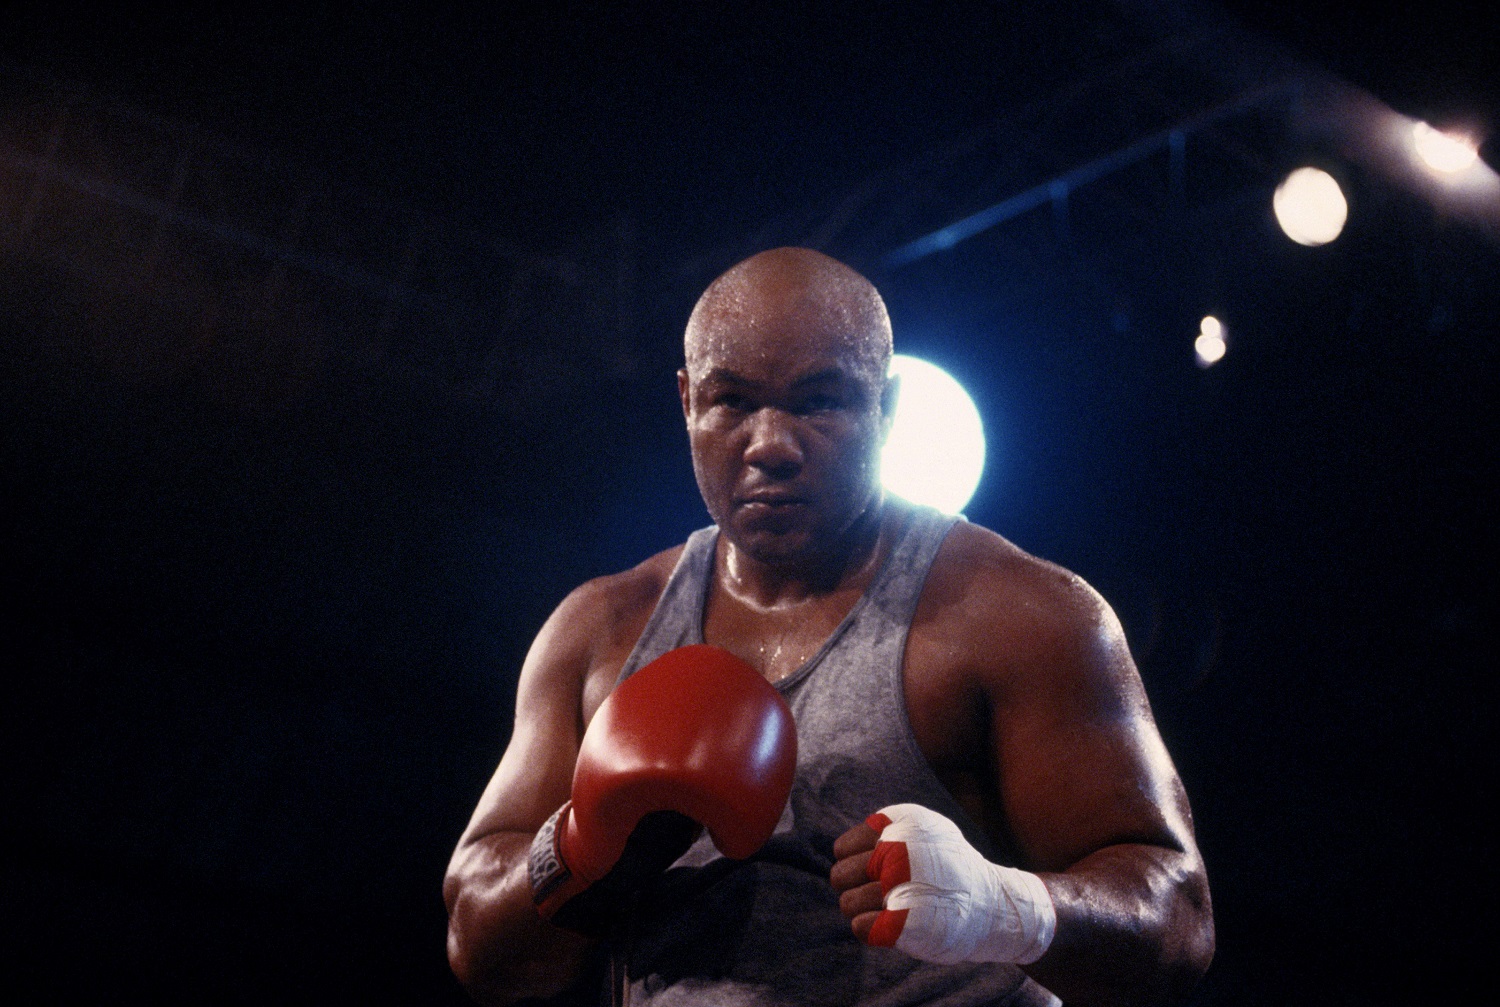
[773, 447]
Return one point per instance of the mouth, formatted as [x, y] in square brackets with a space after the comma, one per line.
[770, 500]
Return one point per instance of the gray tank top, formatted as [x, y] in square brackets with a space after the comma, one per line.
[768, 931]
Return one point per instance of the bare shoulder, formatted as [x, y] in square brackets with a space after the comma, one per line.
[1019, 675]
[1021, 623]
[607, 612]
[589, 636]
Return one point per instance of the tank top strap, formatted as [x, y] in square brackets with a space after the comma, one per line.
[898, 587]
[678, 618]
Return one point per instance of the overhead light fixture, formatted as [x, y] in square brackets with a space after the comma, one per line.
[1444, 153]
[1210, 344]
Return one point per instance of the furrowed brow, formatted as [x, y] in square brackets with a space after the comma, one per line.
[830, 375]
[724, 376]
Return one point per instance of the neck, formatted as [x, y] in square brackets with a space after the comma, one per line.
[848, 561]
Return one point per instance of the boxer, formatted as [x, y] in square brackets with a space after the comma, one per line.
[982, 810]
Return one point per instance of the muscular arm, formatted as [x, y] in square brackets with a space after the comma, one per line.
[498, 945]
[1097, 808]
[1023, 695]
[1094, 802]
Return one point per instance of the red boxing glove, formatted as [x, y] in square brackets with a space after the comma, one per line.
[695, 733]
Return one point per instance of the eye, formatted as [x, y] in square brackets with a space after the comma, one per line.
[818, 403]
[731, 400]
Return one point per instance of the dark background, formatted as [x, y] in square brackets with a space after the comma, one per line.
[338, 347]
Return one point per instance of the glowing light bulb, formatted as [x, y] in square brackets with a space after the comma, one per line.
[1443, 152]
[1210, 344]
[1310, 207]
[1210, 349]
[935, 451]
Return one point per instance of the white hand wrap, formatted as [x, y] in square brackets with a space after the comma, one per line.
[945, 903]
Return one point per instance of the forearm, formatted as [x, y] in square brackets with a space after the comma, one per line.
[498, 946]
[1134, 926]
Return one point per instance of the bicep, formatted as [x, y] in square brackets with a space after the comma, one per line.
[1080, 763]
[535, 773]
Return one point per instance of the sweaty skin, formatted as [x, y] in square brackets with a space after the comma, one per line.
[1019, 686]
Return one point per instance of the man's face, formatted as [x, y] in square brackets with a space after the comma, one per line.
[786, 418]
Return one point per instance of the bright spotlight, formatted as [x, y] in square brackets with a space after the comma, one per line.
[1210, 344]
[935, 452]
[1443, 152]
[1310, 207]
[1210, 349]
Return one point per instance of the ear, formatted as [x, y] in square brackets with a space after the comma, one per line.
[890, 395]
[683, 392]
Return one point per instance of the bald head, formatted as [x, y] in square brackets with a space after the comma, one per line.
[787, 404]
[798, 289]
